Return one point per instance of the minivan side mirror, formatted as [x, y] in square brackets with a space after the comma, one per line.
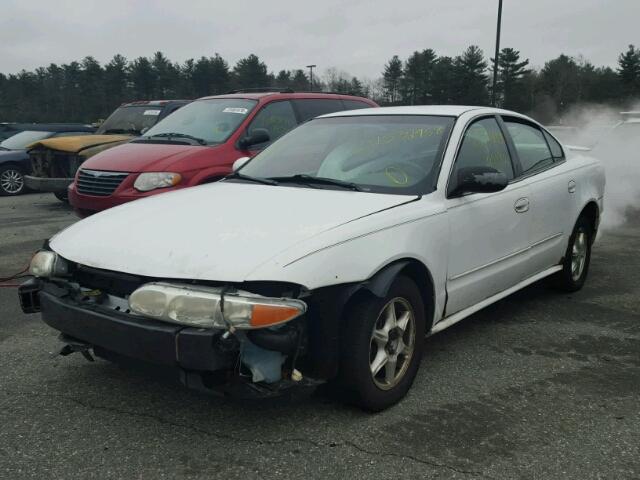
[257, 136]
[479, 180]
[239, 163]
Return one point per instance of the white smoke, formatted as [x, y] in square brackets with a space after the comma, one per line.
[617, 146]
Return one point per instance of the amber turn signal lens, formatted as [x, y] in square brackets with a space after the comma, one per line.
[267, 315]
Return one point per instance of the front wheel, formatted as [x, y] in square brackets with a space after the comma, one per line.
[383, 346]
[11, 180]
[577, 258]
[62, 196]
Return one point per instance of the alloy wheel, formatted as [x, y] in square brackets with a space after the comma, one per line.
[392, 343]
[11, 181]
[578, 255]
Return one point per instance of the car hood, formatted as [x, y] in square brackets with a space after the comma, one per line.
[79, 143]
[221, 231]
[141, 157]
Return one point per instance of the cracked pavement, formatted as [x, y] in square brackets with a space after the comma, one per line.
[540, 385]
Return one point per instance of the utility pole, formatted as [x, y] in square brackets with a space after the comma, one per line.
[311, 67]
[495, 58]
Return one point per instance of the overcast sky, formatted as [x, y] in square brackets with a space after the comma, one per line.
[357, 36]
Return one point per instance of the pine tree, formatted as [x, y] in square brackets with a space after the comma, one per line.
[629, 71]
[470, 78]
[250, 72]
[511, 71]
[391, 80]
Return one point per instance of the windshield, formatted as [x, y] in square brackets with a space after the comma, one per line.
[22, 140]
[130, 120]
[383, 153]
[212, 120]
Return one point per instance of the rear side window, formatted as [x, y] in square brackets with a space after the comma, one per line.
[311, 108]
[556, 149]
[355, 105]
[531, 146]
[277, 118]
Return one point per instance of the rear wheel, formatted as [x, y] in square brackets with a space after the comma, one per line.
[575, 266]
[11, 180]
[383, 346]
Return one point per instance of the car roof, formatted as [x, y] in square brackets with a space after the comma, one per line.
[285, 95]
[58, 127]
[440, 110]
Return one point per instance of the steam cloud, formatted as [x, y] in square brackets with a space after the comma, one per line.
[618, 149]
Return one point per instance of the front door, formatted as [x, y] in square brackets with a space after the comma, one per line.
[489, 232]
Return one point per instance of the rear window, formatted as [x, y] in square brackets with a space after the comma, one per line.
[23, 139]
[311, 108]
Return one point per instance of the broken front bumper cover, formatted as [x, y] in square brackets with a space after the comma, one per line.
[45, 184]
[204, 359]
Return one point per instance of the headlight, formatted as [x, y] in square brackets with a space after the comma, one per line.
[201, 307]
[48, 264]
[153, 180]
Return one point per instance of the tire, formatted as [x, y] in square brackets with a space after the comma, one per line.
[62, 196]
[575, 266]
[11, 180]
[363, 351]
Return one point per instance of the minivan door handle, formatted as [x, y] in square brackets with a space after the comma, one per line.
[521, 205]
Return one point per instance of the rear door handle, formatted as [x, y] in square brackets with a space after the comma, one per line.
[521, 205]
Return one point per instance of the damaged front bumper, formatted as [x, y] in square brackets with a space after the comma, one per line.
[46, 184]
[259, 363]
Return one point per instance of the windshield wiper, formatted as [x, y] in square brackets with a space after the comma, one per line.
[201, 141]
[310, 179]
[241, 176]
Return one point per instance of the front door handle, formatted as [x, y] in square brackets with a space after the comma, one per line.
[521, 205]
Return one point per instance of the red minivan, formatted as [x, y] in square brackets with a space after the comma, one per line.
[197, 144]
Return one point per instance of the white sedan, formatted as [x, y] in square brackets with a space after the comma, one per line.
[328, 256]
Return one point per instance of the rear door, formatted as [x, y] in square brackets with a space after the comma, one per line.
[551, 191]
[489, 232]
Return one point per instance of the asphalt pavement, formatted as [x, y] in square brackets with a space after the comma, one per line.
[541, 385]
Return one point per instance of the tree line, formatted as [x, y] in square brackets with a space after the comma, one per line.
[86, 91]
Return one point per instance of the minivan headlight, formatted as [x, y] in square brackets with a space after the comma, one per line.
[200, 306]
[46, 264]
[152, 180]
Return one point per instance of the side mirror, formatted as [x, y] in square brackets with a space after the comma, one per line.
[144, 130]
[257, 136]
[239, 163]
[479, 180]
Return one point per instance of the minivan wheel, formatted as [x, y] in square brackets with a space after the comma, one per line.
[575, 266]
[11, 180]
[383, 346]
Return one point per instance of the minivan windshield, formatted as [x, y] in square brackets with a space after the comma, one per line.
[22, 140]
[397, 154]
[130, 120]
[212, 120]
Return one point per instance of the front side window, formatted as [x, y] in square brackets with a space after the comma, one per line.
[483, 145]
[276, 118]
[22, 140]
[210, 121]
[531, 146]
[397, 154]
